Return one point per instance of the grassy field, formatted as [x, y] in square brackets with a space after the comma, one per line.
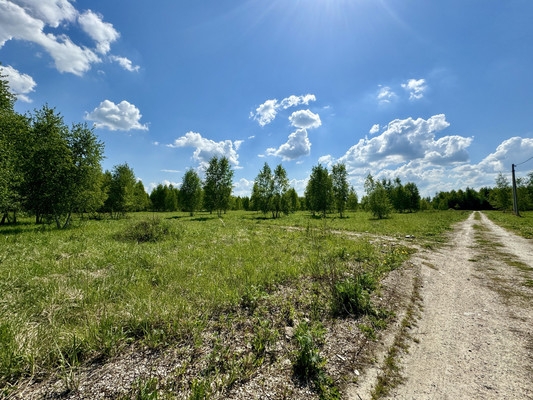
[522, 225]
[81, 294]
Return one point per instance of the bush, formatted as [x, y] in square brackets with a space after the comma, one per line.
[149, 231]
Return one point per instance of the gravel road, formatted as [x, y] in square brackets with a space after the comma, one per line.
[474, 339]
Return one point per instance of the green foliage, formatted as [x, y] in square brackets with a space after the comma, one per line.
[377, 198]
[293, 200]
[264, 336]
[263, 190]
[341, 189]
[271, 192]
[280, 187]
[352, 202]
[145, 389]
[164, 198]
[351, 296]
[141, 199]
[218, 185]
[319, 191]
[7, 99]
[501, 195]
[191, 192]
[308, 364]
[200, 389]
[121, 192]
[153, 230]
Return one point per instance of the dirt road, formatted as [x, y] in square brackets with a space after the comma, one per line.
[474, 339]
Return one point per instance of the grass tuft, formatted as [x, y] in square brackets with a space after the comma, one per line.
[149, 231]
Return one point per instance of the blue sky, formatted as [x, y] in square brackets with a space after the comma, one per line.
[436, 93]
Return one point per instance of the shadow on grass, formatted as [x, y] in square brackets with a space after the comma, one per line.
[18, 228]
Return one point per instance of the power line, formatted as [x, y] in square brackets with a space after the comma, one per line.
[530, 158]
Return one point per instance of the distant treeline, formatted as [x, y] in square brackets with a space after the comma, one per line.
[51, 171]
[496, 198]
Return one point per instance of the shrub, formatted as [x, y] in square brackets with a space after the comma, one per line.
[149, 231]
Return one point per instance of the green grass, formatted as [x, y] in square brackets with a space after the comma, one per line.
[71, 296]
[522, 225]
[427, 225]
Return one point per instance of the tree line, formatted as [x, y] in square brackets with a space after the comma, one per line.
[498, 197]
[51, 171]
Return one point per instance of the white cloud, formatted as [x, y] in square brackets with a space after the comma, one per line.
[24, 24]
[408, 139]
[47, 24]
[410, 149]
[243, 187]
[69, 57]
[433, 178]
[511, 151]
[386, 95]
[51, 12]
[20, 84]
[374, 129]
[125, 63]
[297, 145]
[294, 101]
[305, 119]
[327, 160]
[416, 88]
[123, 116]
[266, 112]
[101, 32]
[205, 149]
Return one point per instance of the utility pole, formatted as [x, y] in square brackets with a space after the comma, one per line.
[515, 197]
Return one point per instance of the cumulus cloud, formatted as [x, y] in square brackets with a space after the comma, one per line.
[205, 149]
[266, 112]
[305, 119]
[410, 149]
[125, 63]
[374, 129]
[433, 178]
[386, 95]
[123, 116]
[46, 23]
[51, 12]
[416, 88]
[243, 187]
[298, 145]
[101, 32]
[294, 101]
[20, 84]
[514, 150]
[406, 139]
